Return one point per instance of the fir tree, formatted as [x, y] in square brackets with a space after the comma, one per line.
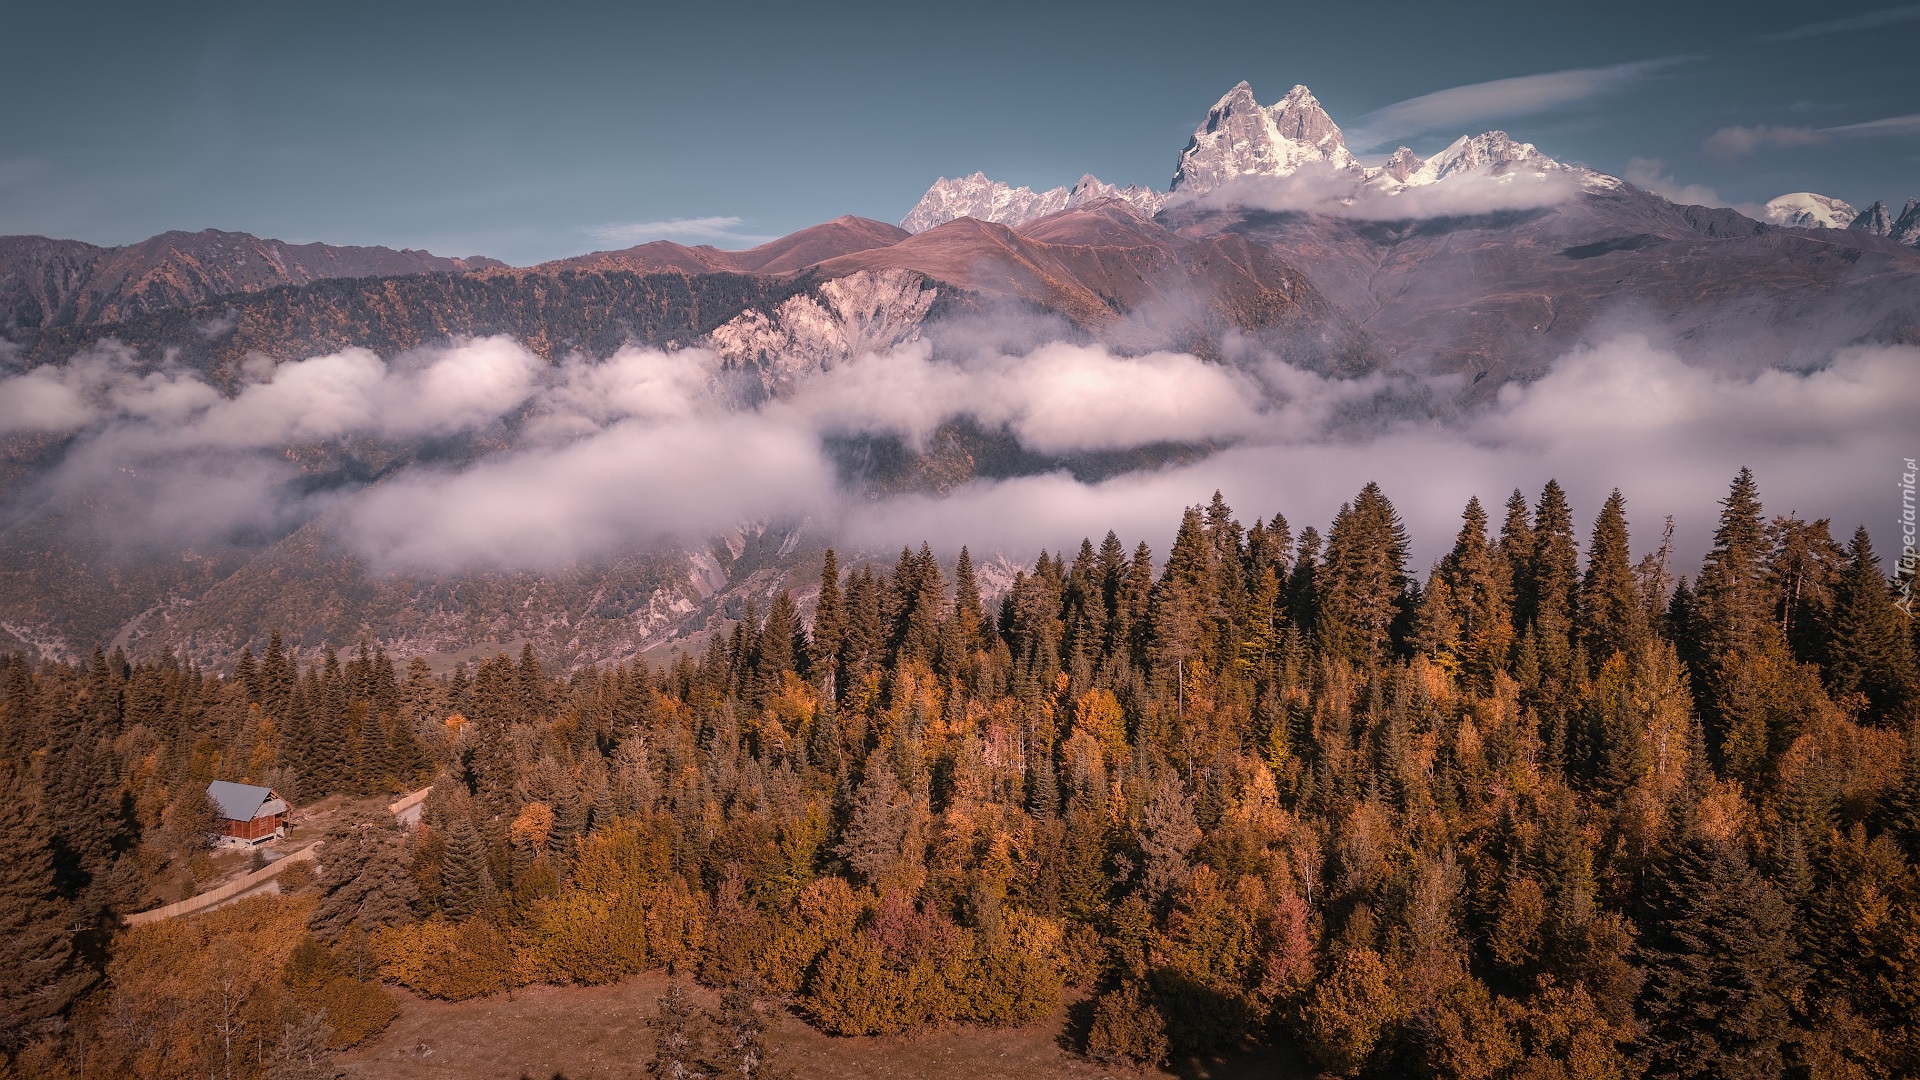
[1722, 973]
[676, 1040]
[1552, 578]
[1609, 613]
[39, 971]
[466, 881]
[364, 881]
[1735, 607]
[829, 621]
[1365, 580]
[277, 675]
[1803, 569]
[773, 658]
[1479, 597]
[743, 1051]
[1870, 652]
[1516, 549]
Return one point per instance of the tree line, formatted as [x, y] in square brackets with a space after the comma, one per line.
[1545, 810]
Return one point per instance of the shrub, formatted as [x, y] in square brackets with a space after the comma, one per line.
[588, 938]
[1127, 1026]
[854, 992]
[825, 911]
[440, 959]
[1349, 1012]
[296, 876]
[1006, 984]
[356, 1010]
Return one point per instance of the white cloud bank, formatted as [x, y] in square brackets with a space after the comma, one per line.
[584, 458]
[1325, 190]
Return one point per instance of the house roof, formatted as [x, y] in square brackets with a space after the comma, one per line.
[244, 802]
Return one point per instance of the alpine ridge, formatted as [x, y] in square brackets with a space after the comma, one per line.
[983, 199]
[46, 283]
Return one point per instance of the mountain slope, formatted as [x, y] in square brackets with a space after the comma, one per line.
[789, 254]
[1504, 294]
[46, 283]
[1107, 269]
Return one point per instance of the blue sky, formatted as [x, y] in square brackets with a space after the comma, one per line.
[530, 132]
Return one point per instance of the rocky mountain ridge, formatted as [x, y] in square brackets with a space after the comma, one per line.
[1238, 140]
[977, 197]
[46, 282]
[1809, 210]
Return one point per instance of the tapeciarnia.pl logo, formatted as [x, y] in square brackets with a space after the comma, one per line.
[1905, 572]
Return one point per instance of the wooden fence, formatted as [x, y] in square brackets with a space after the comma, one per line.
[215, 897]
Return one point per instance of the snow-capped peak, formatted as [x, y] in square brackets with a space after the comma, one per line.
[1402, 165]
[1240, 138]
[983, 199]
[1495, 153]
[1810, 210]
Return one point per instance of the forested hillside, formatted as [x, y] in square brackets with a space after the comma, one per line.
[1541, 811]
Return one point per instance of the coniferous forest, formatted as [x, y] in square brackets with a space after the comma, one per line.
[1541, 810]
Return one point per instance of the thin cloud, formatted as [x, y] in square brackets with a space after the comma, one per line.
[1332, 192]
[1523, 95]
[1737, 141]
[1872, 20]
[700, 228]
[1648, 174]
[1891, 125]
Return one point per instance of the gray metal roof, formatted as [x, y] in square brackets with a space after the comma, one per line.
[241, 802]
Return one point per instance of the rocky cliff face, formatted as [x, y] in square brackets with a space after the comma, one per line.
[1874, 220]
[847, 318]
[1240, 138]
[1906, 228]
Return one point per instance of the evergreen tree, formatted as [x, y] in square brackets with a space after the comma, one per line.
[1722, 971]
[1516, 549]
[1133, 606]
[1609, 612]
[829, 621]
[1553, 578]
[363, 881]
[744, 1052]
[963, 632]
[40, 974]
[1365, 580]
[1185, 617]
[277, 675]
[863, 642]
[1870, 652]
[1803, 569]
[1734, 602]
[1303, 590]
[774, 658]
[1478, 594]
[676, 1040]
[466, 880]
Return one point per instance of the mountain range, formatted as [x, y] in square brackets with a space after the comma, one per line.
[1486, 260]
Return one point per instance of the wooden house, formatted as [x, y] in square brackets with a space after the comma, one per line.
[247, 812]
